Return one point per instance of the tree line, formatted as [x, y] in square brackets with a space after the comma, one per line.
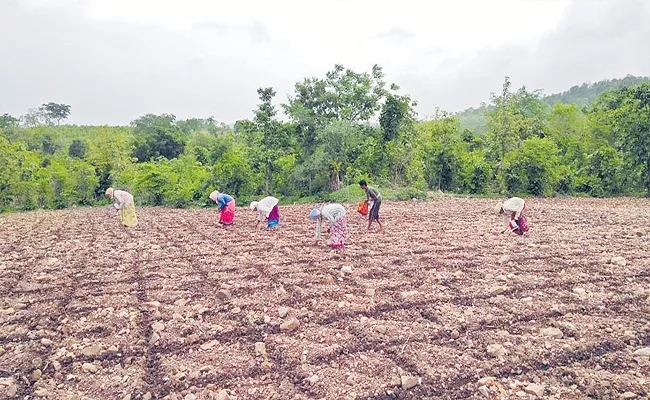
[342, 127]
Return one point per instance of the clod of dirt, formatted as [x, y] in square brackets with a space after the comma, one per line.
[91, 351]
[20, 306]
[484, 391]
[504, 259]
[178, 317]
[370, 292]
[283, 311]
[381, 329]
[224, 295]
[209, 345]
[155, 337]
[41, 393]
[620, 261]
[158, 326]
[487, 381]
[36, 375]
[498, 290]
[289, 326]
[579, 291]
[180, 303]
[260, 349]
[222, 395]
[533, 388]
[554, 333]
[89, 367]
[50, 261]
[644, 352]
[496, 350]
[409, 381]
[146, 396]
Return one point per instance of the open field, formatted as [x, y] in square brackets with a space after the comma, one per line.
[179, 307]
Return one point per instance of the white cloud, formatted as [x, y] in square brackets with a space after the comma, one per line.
[115, 60]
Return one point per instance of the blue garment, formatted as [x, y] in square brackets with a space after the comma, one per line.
[223, 200]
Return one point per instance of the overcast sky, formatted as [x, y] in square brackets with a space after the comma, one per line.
[114, 60]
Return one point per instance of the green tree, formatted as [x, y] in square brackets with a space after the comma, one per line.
[7, 122]
[77, 149]
[628, 111]
[157, 136]
[56, 111]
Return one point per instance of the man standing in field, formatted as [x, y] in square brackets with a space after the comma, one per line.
[514, 208]
[373, 197]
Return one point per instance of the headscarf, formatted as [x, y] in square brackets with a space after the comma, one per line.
[109, 192]
[253, 205]
[315, 213]
[214, 195]
[498, 207]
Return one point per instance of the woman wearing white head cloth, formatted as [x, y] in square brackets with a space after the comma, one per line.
[267, 208]
[226, 207]
[513, 208]
[123, 202]
[334, 214]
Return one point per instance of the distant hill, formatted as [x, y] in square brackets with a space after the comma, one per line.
[475, 119]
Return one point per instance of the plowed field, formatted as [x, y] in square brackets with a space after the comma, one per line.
[436, 306]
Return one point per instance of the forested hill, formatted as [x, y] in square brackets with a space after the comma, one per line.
[475, 119]
[587, 93]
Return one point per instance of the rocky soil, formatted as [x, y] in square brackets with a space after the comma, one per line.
[437, 306]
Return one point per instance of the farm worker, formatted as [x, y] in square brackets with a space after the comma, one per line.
[226, 207]
[267, 208]
[373, 198]
[123, 202]
[514, 209]
[335, 216]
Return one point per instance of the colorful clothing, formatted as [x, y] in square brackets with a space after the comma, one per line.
[124, 202]
[274, 217]
[127, 215]
[228, 213]
[338, 233]
[334, 214]
[514, 209]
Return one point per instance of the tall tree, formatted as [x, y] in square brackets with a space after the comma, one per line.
[56, 111]
[7, 121]
[272, 135]
[628, 110]
[157, 136]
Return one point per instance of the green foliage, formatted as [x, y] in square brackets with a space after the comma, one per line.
[55, 111]
[7, 122]
[178, 182]
[526, 148]
[532, 168]
[77, 149]
[157, 136]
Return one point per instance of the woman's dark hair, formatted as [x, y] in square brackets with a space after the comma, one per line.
[363, 182]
